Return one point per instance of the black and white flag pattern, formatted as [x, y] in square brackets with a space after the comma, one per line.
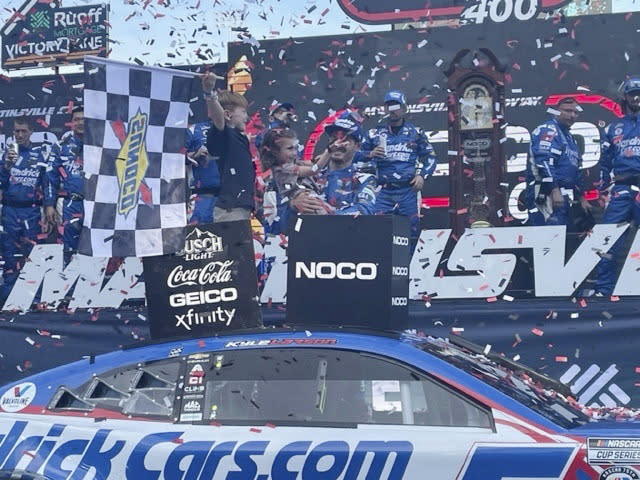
[134, 190]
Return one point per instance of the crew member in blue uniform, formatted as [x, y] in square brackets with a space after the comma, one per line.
[620, 175]
[404, 159]
[553, 175]
[22, 171]
[282, 115]
[65, 179]
[206, 177]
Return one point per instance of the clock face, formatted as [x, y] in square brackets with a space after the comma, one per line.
[476, 108]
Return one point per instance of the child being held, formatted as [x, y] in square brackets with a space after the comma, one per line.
[279, 152]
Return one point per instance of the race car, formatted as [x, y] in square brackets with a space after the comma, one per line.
[286, 404]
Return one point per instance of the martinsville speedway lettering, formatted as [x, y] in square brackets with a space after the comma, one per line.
[553, 274]
[60, 452]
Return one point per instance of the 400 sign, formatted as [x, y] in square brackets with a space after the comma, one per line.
[384, 12]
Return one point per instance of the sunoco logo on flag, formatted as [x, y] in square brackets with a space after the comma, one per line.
[131, 164]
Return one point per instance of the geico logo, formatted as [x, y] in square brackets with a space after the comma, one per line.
[400, 271]
[398, 301]
[199, 298]
[400, 240]
[341, 271]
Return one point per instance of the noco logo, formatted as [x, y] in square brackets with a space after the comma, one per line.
[399, 11]
[131, 164]
[341, 271]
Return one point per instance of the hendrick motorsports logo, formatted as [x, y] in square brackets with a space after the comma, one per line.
[18, 397]
[131, 165]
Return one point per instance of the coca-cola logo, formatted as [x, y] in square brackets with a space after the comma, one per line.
[211, 273]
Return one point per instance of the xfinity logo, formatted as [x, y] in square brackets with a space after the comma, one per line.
[400, 240]
[341, 271]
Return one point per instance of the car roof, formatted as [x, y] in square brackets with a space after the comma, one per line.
[396, 345]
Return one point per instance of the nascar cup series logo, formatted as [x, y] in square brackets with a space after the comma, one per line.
[131, 164]
[18, 397]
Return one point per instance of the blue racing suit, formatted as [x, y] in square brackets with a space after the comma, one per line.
[409, 153]
[349, 190]
[65, 177]
[206, 177]
[620, 159]
[554, 162]
[22, 192]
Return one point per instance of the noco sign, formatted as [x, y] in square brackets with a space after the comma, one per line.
[42, 33]
[474, 11]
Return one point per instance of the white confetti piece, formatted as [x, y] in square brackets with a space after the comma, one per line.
[487, 349]
[439, 62]
[30, 341]
[555, 58]
[298, 225]
[575, 315]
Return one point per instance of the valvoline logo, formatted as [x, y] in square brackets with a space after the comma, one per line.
[18, 397]
[131, 165]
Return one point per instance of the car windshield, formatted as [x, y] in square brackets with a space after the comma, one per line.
[510, 380]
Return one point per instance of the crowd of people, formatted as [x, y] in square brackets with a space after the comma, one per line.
[359, 173]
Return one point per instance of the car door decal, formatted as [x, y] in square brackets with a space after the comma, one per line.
[501, 461]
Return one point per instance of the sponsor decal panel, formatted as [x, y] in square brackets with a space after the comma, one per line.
[160, 454]
[18, 397]
[606, 451]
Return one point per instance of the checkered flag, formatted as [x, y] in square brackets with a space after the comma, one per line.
[134, 190]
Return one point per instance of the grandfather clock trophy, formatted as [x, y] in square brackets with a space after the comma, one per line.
[476, 132]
